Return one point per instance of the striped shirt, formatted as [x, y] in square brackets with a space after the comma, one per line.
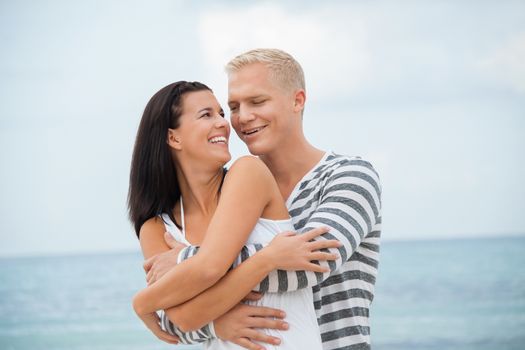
[343, 193]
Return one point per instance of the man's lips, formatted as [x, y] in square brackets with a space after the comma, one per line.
[252, 131]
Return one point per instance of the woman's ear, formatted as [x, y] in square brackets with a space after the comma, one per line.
[174, 139]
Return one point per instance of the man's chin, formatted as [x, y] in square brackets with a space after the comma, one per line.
[257, 150]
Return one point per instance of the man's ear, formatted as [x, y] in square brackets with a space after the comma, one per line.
[299, 100]
[174, 140]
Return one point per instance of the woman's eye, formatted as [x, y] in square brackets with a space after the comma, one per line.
[205, 115]
[258, 102]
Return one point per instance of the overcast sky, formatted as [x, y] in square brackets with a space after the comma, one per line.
[431, 92]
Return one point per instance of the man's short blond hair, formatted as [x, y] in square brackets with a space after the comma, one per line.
[284, 69]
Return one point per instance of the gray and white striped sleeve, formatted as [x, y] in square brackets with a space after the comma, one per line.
[194, 337]
[350, 205]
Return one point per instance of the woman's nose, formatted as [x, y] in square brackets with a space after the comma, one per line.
[221, 122]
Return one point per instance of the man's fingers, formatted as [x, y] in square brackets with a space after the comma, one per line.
[247, 344]
[323, 244]
[252, 334]
[317, 268]
[323, 256]
[149, 263]
[267, 323]
[264, 311]
[315, 232]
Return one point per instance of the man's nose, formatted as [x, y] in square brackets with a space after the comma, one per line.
[245, 115]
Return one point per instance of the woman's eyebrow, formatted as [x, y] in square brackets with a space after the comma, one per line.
[207, 109]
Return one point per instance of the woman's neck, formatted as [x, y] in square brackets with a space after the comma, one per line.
[199, 188]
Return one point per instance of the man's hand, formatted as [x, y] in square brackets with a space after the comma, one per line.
[292, 251]
[238, 325]
[156, 266]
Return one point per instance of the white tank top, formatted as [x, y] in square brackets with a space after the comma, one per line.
[303, 332]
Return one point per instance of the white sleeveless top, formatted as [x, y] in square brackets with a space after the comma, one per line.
[303, 332]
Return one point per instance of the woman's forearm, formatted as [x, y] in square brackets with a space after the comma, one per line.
[177, 286]
[224, 295]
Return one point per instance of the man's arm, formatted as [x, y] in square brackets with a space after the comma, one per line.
[350, 205]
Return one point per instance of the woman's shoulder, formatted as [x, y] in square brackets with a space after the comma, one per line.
[249, 170]
[249, 165]
[152, 226]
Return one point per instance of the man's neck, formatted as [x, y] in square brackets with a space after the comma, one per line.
[289, 165]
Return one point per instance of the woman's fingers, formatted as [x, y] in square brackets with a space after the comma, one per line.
[149, 277]
[149, 263]
[152, 322]
[168, 339]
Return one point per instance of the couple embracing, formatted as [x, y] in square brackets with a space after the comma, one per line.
[280, 251]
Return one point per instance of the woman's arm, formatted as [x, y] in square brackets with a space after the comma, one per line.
[247, 190]
[232, 288]
[350, 206]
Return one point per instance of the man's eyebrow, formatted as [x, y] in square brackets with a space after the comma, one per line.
[249, 98]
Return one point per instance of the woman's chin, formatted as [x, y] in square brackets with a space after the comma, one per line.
[222, 159]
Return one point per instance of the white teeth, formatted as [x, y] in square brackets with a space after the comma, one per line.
[217, 139]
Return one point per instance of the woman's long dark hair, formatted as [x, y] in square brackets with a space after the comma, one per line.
[153, 185]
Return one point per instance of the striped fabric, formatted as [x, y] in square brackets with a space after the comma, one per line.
[194, 337]
[343, 193]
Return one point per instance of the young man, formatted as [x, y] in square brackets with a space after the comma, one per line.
[266, 96]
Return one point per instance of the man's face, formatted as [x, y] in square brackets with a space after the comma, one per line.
[261, 110]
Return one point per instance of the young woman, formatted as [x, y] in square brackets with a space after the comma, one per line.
[178, 183]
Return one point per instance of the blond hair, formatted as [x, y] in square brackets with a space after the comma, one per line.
[284, 69]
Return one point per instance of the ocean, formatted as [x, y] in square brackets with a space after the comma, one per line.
[445, 294]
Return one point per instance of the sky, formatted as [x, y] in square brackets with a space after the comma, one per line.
[432, 93]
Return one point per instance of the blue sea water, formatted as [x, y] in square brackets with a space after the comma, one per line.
[449, 294]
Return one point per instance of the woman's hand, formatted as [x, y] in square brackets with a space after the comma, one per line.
[158, 265]
[152, 321]
[291, 251]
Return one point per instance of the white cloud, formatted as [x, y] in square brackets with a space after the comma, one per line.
[330, 45]
[507, 64]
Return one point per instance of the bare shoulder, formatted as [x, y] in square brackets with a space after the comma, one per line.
[152, 228]
[152, 237]
[249, 165]
[249, 170]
